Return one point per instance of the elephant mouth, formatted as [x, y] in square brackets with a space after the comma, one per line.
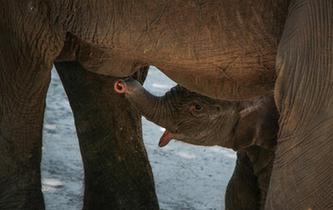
[168, 136]
[165, 138]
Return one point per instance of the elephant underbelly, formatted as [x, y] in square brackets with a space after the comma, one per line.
[219, 43]
[239, 84]
[225, 73]
[230, 72]
[230, 76]
[212, 46]
[221, 50]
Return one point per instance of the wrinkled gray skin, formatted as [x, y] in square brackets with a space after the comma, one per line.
[224, 49]
[249, 127]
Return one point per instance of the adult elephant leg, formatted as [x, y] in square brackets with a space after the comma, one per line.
[303, 169]
[117, 171]
[22, 102]
[242, 191]
[27, 49]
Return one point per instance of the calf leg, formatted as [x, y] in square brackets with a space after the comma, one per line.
[242, 190]
[117, 171]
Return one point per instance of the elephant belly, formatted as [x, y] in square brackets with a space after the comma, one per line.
[221, 49]
[197, 43]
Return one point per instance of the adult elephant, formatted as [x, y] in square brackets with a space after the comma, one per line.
[225, 49]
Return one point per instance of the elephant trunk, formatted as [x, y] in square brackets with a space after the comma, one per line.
[153, 108]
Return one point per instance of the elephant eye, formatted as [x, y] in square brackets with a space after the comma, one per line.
[195, 107]
[198, 107]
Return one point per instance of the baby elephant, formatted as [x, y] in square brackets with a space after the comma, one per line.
[248, 127]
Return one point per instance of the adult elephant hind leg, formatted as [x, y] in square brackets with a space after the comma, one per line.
[303, 170]
[117, 171]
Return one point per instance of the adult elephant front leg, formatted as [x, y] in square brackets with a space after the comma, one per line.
[27, 49]
[117, 171]
[303, 169]
[22, 102]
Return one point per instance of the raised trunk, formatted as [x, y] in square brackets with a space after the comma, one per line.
[155, 109]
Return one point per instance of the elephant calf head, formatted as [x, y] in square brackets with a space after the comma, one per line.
[200, 120]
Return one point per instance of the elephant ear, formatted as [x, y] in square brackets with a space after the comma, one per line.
[302, 170]
[258, 124]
